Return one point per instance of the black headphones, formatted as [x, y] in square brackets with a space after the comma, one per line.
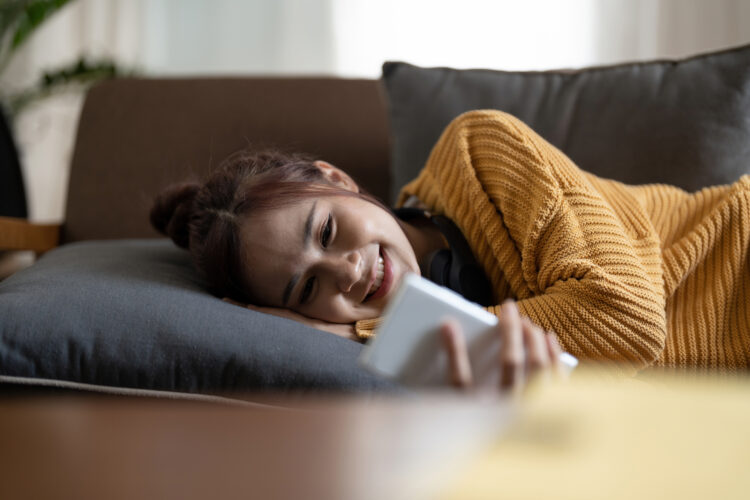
[454, 267]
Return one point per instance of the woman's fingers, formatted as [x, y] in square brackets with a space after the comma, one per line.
[512, 355]
[537, 349]
[526, 351]
[345, 330]
[458, 355]
[554, 350]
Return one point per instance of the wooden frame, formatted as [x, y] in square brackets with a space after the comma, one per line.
[20, 234]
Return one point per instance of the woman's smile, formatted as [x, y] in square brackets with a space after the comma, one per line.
[377, 277]
[384, 277]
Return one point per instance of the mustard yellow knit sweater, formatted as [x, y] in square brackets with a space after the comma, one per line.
[642, 275]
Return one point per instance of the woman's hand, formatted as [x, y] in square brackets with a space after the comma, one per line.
[526, 351]
[345, 330]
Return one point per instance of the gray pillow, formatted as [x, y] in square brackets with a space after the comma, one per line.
[134, 314]
[685, 123]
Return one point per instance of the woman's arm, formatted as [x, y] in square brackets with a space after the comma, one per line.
[345, 330]
[579, 256]
[590, 264]
[593, 283]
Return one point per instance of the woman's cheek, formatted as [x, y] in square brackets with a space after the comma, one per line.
[406, 264]
[342, 310]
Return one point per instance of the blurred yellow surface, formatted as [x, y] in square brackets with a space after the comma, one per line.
[592, 439]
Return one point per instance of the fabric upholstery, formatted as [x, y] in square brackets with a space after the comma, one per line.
[137, 135]
[133, 313]
[678, 122]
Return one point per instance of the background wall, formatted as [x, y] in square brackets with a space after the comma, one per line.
[348, 38]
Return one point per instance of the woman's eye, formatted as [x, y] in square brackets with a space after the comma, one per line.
[325, 235]
[307, 290]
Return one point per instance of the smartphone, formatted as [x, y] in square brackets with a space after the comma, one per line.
[407, 346]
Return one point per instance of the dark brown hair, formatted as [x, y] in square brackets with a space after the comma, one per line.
[206, 218]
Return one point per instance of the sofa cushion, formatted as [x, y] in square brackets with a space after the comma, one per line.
[134, 314]
[137, 135]
[685, 122]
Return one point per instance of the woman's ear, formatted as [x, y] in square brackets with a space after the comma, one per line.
[336, 176]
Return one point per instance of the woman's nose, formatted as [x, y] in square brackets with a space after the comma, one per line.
[348, 269]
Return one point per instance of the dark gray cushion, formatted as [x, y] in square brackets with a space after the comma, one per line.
[133, 313]
[685, 123]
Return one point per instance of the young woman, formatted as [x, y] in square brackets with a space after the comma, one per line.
[642, 276]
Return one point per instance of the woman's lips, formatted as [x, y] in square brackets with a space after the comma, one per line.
[387, 277]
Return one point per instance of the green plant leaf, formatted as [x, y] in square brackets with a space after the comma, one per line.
[10, 12]
[34, 14]
[79, 74]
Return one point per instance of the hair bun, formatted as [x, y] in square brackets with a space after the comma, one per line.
[171, 212]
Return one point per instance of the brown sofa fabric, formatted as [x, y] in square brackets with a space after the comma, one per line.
[137, 135]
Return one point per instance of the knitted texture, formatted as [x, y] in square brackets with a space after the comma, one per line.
[643, 276]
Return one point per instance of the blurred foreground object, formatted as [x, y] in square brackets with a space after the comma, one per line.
[660, 438]
[587, 439]
[321, 448]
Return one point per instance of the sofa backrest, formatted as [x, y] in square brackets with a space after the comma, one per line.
[136, 136]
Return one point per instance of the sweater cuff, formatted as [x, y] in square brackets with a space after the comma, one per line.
[365, 328]
[496, 310]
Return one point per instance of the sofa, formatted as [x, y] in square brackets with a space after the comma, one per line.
[111, 306]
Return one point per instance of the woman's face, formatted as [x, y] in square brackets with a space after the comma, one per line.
[334, 258]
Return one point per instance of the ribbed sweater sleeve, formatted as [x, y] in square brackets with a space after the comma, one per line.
[581, 262]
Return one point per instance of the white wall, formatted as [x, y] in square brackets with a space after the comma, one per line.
[539, 34]
[648, 29]
[236, 36]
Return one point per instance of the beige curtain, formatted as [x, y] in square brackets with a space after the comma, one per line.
[648, 29]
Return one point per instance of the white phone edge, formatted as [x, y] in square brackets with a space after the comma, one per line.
[378, 354]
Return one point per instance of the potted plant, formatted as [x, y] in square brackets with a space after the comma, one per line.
[19, 20]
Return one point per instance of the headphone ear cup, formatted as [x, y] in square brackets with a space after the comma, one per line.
[440, 266]
[454, 267]
[475, 286]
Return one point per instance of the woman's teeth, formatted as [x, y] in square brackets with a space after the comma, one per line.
[378, 276]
